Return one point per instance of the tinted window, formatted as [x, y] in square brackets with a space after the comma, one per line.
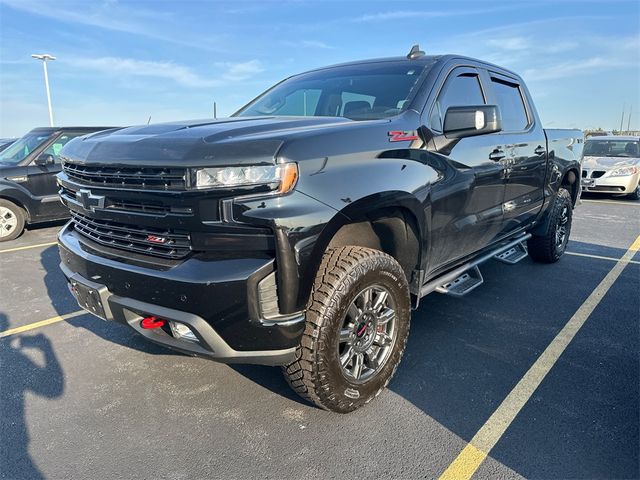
[360, 92]
[512, 109]
[22, 147]
[61, 141]
[461, 90]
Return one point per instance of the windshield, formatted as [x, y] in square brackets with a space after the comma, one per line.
[22, 147]
[612, 148]
[359, 92]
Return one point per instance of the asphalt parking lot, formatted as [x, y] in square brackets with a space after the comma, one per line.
[83, 398]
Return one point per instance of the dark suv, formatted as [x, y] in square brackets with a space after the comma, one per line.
[302, 231]
[28, 169]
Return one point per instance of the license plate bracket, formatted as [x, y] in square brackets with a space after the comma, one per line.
[88, 297]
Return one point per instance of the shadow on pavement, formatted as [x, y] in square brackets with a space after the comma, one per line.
[20, 374]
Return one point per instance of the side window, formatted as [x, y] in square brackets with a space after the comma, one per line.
[61, 141]
[460, 90]
[511, 103]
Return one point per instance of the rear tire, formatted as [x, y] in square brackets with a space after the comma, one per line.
[357, 324]
[11, 220]
[549, 247]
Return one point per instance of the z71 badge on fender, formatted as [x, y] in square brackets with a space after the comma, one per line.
[402, 136]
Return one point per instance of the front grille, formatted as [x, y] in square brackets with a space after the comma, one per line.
[584, 173]
[138, 206]
[150, 178]
[597, 173]
[168, 243]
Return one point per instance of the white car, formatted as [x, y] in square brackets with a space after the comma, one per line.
[612, 165]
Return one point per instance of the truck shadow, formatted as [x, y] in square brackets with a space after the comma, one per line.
[21, 374]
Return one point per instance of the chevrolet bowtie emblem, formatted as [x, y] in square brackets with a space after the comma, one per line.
[89, 201]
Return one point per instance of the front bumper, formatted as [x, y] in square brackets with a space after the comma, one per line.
[614, 185]
[214, 298]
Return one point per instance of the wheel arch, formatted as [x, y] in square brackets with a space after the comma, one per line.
[392, 222]
[571, 182]
[11, 196]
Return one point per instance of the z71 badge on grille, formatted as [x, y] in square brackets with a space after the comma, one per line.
[156, 239]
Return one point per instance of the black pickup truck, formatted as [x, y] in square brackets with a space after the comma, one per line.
[28, 187]
[302, 230]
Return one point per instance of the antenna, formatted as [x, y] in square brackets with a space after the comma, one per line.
[149, 121]
[415, 52]
[215, 110]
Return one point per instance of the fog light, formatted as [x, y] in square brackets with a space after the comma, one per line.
[180, 330]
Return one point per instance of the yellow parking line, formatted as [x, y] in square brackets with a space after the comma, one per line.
[472, 456]
[41, 323]
[612, 201]
[600, 257]
[28, 247]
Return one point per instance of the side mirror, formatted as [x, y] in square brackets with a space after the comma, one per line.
[460, 122]
[45, 159]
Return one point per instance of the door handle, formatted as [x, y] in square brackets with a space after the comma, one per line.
[540, 150]
[497, 155]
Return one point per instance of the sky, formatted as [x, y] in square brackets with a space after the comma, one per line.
[120, 62]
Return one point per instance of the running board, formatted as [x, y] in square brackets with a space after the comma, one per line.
[462, 285]
[513, 255]
[432, 285]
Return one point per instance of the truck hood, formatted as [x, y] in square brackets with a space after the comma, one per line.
[229, 141]
[608, 163]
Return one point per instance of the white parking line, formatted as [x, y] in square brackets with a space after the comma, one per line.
[600, 257]
[41, 323]
[472, 456]
[28, 247]
[612, 202]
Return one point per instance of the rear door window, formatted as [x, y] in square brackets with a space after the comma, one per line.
[511, 103]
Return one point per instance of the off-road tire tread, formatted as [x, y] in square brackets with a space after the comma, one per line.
[542, 248]
[305, 374]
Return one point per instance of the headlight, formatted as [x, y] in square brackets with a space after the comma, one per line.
[277, 177]
[624, 171]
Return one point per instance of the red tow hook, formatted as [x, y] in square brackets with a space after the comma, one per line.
[152, 322]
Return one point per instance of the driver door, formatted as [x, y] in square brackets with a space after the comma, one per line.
[466, 206]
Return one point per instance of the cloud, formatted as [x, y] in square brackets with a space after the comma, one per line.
[576, 67]
[242, 71]
[413, 14]
[180, 74]
[510, 43]
[111, 15]
[308, 44]
[145, 68]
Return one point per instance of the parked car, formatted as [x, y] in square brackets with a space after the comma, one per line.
[28, 169]
[612, 165]
[302, 231]
[5, 142]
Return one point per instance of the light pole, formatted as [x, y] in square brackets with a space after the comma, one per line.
[44, 57]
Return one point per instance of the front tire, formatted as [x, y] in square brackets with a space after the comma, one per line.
[549, 247]
[635, 195]
[356, 329]
[11, 220]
